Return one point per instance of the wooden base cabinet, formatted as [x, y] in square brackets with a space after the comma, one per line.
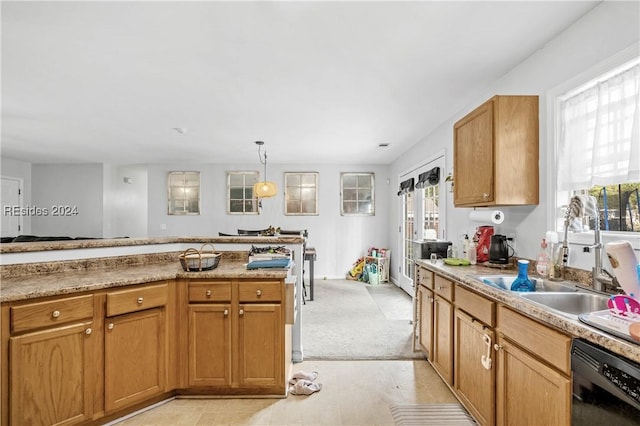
[425, 308]
[236, 335]
[209, 362]
[49, 384]
[135, 345]
[534, 370]
[474, 378]
[443, 328]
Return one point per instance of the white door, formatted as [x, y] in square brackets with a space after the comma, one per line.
[11, 197]
[423, 217]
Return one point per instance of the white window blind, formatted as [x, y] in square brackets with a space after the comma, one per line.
[599, 132]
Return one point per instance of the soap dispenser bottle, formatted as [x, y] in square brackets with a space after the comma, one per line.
[543, 260]
[522, 281]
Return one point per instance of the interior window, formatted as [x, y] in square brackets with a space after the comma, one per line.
[598, 147]
[183, 193]
[301, 193]
[357, 194]
[240, 198]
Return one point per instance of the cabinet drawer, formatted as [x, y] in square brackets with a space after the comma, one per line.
[476, 306]
[548, 344]
[136, 299]
[210, 291]
[426, 277]
[443, 287]
[260, 291]
[43, 314]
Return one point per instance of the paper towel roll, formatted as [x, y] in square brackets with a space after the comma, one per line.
[624, 263]
[495, 217]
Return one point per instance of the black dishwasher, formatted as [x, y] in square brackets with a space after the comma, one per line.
[606, 387]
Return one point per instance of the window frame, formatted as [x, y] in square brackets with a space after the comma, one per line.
[372, 177]
[245, 186]
[557, 199]
[187, 200]
[288, 175]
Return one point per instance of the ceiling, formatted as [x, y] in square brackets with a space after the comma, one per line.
[319, 82]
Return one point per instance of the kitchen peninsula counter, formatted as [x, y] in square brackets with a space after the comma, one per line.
[468, 277]
[24, 287]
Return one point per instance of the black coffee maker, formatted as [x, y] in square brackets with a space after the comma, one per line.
[499, 249]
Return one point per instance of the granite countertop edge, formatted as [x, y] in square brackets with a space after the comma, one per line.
[467, 276]
[29, 287]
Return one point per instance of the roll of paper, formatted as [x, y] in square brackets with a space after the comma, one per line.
[625, 266]
[495, 217]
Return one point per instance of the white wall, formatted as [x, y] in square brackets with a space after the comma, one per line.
[74, 185]
[125, 203]
[606, 30]
[339, 240]
[21, 170]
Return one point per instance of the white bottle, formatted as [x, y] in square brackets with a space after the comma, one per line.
[471, 252]
[542, 261]
[465, 246]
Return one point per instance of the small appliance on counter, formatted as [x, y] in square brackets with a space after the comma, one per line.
[424, 248]
[499, 249]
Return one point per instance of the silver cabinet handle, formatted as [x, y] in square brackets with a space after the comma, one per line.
[258, 293]
[140, 300]
[208, 293]
[241, 312]
[485, 195]
[497, 347]
[88, 330]
[55, 314]
[110, 326]
[226, 312]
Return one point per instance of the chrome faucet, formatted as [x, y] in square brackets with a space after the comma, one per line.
[600, 277]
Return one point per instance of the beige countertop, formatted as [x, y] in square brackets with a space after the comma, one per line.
[75, 281]
[467, 276]
[25, 247]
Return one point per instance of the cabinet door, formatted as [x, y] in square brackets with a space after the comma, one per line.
[518, 374]
[209, 345]
[474, 375]
[260, 345]
[425, 300]
[135, 362]
[443, 338]
[48, 381]
[474, 157]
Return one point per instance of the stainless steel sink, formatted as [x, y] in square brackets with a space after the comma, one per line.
[569, 304]
[503, 282]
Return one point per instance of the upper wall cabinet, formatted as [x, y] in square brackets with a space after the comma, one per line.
[495, 153]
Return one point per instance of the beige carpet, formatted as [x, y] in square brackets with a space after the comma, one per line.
[350, 320]
[430, 415]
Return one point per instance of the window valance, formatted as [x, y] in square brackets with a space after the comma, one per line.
[406, 186]
[428, 178]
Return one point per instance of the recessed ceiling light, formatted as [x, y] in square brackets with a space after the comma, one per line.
[181, 130]
[383, 145]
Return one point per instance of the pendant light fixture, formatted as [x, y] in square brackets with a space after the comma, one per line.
[264, 189]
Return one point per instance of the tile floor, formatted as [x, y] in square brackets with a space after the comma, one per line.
[353, 393]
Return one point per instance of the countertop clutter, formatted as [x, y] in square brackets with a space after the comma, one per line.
[468, 276]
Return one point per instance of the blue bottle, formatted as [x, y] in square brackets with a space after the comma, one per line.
[522, 282]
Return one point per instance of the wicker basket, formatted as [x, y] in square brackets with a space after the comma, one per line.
[200, 260]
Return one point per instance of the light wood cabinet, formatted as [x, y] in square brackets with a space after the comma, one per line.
[474, 377]
[236, 335]
[531, 356]
[496, 153]
[50, 355]
[442, 359]
[260, 351]
[425, 303]
[135, 345]
[209, 358]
